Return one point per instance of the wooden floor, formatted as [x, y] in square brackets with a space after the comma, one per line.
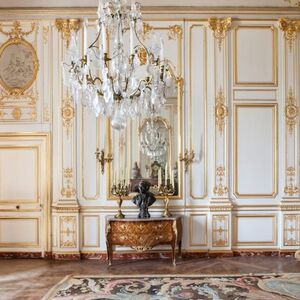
[32, 278]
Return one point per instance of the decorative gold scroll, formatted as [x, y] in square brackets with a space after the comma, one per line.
[175, 32]
[220, 189]
[219, 27]
[67, 27]
[67, 114]
[290, 29]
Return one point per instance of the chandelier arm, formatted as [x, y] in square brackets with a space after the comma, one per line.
[96, 40]
[138, 38]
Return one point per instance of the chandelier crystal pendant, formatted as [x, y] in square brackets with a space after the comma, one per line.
[128, 80]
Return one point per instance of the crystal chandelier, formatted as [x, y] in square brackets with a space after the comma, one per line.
[153, 141]
[128, 80]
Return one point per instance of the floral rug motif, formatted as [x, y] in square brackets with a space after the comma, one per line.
[178, 287]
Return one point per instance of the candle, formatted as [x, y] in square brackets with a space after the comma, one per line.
[85, 45]
[104, 41]
[159, 177]
[173, 179]
[100, 8]
[131, 38]
[161, 49]
[166, 174]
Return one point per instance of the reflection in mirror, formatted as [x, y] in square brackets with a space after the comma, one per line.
[148, 149]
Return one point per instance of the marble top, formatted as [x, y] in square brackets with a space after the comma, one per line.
[126, 219]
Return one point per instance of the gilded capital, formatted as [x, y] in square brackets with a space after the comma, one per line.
[290, 29]
[219, 27]
[67, 27]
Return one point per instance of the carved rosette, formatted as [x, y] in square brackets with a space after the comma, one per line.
[291, 189]
[290, 29]
[67, 113]
[291, 112]
[219, 27]
[221, 111]
[175, 32]
[220, 189]
[67, 27]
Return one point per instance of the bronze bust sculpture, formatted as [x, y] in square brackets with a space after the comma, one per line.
[144, 199]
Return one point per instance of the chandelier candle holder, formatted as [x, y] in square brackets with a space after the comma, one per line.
[119, 76]
[166, 191]
[120, 190]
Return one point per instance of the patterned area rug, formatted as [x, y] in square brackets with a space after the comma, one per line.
[161, 287]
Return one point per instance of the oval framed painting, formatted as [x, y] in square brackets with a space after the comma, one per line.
[18, 65]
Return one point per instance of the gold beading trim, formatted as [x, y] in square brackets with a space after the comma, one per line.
[290, 29]
[219, 27]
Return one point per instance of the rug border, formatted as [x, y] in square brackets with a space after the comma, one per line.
[50, 293]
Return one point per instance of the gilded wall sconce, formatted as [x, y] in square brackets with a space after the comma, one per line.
[187, 158]
[102, 159]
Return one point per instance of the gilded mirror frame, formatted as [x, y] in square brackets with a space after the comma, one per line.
[178, 132]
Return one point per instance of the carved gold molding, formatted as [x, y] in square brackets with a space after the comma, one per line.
[290, 29]
[220, 189]
[291, 230]
[68, 191]
[67, 114]
[68, 231]
[291, 111]
[175, 32]
[67, 27]
[220, 230]
[291, 189]
[221, 111]
[16, 31]
[219, 27]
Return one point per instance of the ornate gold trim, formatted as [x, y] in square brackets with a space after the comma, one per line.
[220, 234]
[16, 31]
[67, 114]
[220, 189]
[67, 27]
[219, 27]
[290, 29]
[70, 220]
[291, 111]
[291, 230]
[221, 110]
[68, 191]
[175, 32]
[291, 189]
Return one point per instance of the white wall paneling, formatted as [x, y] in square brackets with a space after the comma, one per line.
[239, 113]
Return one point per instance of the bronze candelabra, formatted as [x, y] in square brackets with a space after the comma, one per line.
[166, 191]
[120, 190]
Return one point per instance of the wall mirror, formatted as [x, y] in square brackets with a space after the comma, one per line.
[148, 149]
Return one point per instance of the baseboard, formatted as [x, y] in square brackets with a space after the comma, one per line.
[131, 255]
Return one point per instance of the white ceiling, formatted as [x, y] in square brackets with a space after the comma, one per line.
[195, 3]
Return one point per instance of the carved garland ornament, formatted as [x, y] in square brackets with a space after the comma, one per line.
[291, 112]
[219, 27]
[68, 190]
[290, 29]
[221, 110]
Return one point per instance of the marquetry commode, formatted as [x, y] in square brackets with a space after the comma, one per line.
[143, 234]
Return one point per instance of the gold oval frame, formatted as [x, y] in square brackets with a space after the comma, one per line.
[21, 89]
